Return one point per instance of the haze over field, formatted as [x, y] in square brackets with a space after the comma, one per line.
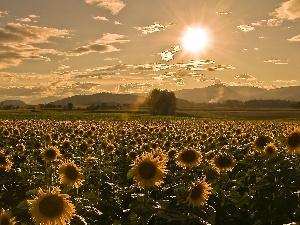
[71, 47]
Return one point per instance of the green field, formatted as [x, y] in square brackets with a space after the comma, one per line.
[222, 113]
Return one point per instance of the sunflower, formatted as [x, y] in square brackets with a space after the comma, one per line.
[158, 153]
[70, 174]
[261, 141]
[293, 142]
[132, 155]
[209, 155]
[147, 170]
[5, 218]
[199, 192]
[51, 208]
[50, 154]
[5, 163]
[171, 153]
[66, 144]
[47, 137]
[271, 150]
[6, 133]
[223, 162]
[188, 158]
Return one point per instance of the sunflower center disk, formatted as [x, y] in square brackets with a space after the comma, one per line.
[262, 141]
[197, 192]
[189, 156]
[50, 154]
[147, 170]
[71, 173]
[51, 206]
[294, 140]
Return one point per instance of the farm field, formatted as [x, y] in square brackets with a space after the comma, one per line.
[98, 168]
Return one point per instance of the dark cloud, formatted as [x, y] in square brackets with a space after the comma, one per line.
[17, 43]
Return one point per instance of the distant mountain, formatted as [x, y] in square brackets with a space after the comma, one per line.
[220, 93]
[188, 97]
[12, 102]
[101, 98]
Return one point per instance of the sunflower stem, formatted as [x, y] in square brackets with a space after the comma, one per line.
[145, 196]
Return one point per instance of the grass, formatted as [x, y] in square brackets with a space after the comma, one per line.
[220, 113]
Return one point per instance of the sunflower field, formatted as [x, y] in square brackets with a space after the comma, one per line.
[149, 171]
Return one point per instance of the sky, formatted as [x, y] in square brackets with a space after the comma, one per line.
[74, 47]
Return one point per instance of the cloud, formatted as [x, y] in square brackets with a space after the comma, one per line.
[103, 18]
[168, 54]
[286, 81]
[101, 45]
[87, 49]
[114, 6]
[245, 76]
[288, 10]
[113, 38]
[273, 22]
[295, 38]
[63, 67]
[246, 28]
[17, 43]
[134, 88]
[118, 23]
[277, 61]
[223, 13]
[155, 27]
[25, 33]
[3, 14]
[24, 20]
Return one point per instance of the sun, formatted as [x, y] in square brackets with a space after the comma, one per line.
[194, 39]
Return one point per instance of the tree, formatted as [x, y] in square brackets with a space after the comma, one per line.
[70, 105]
[161, 102]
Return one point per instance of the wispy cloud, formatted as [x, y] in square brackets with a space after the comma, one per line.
[223, 13]
[103, 18]
[286, 81]
[288, 10]
[246, 28]
[155, 27]
[114, 6]
[113, 38]
[245, 76]
[295, 38]
[277, 61]
[3, 14]
[134, 88]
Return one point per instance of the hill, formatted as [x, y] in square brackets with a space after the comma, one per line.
[220, 93]
[189, 97]
[12, 102]
[101, 98]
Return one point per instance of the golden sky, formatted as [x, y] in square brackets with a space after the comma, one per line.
[69, 47]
